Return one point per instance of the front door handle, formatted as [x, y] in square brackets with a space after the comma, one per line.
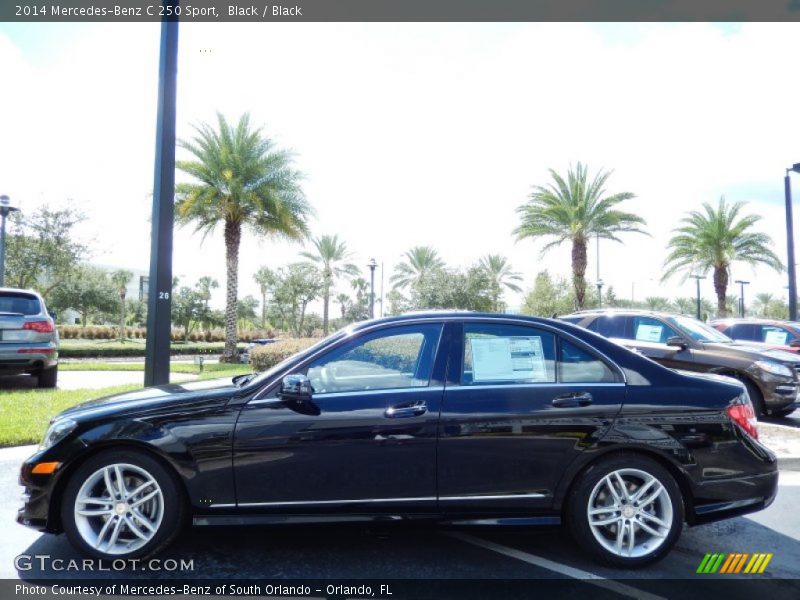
[409, 409]
[572, 400]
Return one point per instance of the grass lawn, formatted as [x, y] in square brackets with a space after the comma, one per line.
[24, 414]
[82, 348]
[221, 368]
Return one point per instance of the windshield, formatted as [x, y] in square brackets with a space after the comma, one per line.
[265, 375]
[699, 331]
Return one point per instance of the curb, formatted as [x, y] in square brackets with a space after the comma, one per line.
[789, 463]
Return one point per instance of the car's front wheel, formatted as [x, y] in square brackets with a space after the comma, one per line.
[122, 504]
[627, 511]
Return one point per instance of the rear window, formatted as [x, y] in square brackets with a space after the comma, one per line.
[21, 304]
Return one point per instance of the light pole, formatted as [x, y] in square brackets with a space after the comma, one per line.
[372, 264]
[787, 186]
[5, 210]
[741, 295]
[600, 293]
[697, 278]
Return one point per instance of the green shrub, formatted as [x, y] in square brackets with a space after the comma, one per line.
[266, 357]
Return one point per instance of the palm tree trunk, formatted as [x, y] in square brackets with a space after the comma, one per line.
[263, 310]
[579, 271]
[326, 298]
[721, 287]
[233, 235]
[122, 317]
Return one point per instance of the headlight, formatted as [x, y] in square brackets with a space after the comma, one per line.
[57, 432]
[774, 368]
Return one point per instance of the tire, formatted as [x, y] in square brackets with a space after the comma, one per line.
[164, 510]
[602, 541]
[783, 412]
[756, 397]
[48, 377]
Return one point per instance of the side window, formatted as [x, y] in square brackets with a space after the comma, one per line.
[742, 331]
[775, 335]
[578, 366]
[507, 354]
[647, 329]
[612, 326]
[401, 357]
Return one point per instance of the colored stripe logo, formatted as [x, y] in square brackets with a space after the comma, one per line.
[733, 563]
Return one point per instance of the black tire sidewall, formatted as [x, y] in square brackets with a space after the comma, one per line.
[174, 505]
[579, 498]
[756, 397]
[48, 378]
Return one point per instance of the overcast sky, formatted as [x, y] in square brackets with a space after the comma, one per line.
[415, 134]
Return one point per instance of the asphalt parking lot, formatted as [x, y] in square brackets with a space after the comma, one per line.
[421, 552]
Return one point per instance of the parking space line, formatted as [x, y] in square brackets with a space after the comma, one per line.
[550, 565]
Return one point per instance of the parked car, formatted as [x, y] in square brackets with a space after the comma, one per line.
[459, 418]
[681, 342]
[28, 337]
[781, 335]
[244, 357]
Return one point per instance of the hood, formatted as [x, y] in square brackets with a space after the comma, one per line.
[154, 397]
[755, 352]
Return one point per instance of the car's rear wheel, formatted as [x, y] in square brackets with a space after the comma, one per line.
[48, 377]
[627, 511]
[122, 505]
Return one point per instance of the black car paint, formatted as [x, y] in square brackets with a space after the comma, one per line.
[215, 437]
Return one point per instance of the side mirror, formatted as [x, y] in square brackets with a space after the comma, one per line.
[53, 315]
[296, 387]
[677, 341]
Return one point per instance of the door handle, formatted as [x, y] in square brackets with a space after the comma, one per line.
[401, 411]
[572, 400]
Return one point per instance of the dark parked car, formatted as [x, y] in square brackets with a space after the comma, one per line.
[458, 418]
[781, 335]
[28, 337]
[681, 342]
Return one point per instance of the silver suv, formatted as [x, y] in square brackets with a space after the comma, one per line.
[28, 337]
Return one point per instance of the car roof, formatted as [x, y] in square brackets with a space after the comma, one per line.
[19, 291]
[450, 315]
[624, 311]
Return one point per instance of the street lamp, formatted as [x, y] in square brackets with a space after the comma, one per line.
[741, 295]
[372, 264]
[600, 293]
[697, 278]
[787, 186]
[5, 210]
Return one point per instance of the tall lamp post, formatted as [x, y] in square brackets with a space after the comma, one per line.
[697, 278]
[741, 295]
[372, 264]
[5, 210]
[600, 293]
[787, 186]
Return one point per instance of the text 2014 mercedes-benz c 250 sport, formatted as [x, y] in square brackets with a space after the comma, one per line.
[449, 417]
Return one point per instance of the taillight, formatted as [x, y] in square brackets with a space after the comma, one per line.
[40, 326]
[745, 417]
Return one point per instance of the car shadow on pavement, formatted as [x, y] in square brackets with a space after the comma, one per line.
[19, 382]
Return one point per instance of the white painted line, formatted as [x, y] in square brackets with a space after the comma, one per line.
[550, 565]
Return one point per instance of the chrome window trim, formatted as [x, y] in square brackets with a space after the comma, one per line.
[532, 384]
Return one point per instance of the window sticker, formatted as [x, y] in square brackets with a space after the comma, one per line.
[508, 359]
[648, 333]
[775, 336]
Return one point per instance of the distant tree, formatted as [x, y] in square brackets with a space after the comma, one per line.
[204, 286]
[658, 303]
[265, 278]
[330, 255]
[686, 306]
[548, 296]
[419, 261]
[575, 209]
[295, 286]
[762, 302]
[41, 249]
[498, 270]
[120, 279]
[344, 303]
[453, 289]
[246, 311]
[136, 313]
[714, 239]
[88, 291]
[243, 180]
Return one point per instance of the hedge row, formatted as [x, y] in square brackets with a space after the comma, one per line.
[109, 351]
[105, 332]
[266, 357]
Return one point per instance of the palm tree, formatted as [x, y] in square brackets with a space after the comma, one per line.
[330, 256]
[243, 180]
[265, 278]
[658, 303]
[715, 238]
[120, 279]
[762, 301]
[344, 301]
[686, 306]
[498, 269]
[574, 210]
[419, 261]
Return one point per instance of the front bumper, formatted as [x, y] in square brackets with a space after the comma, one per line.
[37, 495]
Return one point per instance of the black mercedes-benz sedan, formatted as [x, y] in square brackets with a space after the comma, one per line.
[450, 417]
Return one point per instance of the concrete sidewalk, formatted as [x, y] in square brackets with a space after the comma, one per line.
[784, 441]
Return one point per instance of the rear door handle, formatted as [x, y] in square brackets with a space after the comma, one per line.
[409, 409]
[572, 400]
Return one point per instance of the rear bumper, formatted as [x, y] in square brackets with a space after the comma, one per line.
[21, 358]
[742, 495]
